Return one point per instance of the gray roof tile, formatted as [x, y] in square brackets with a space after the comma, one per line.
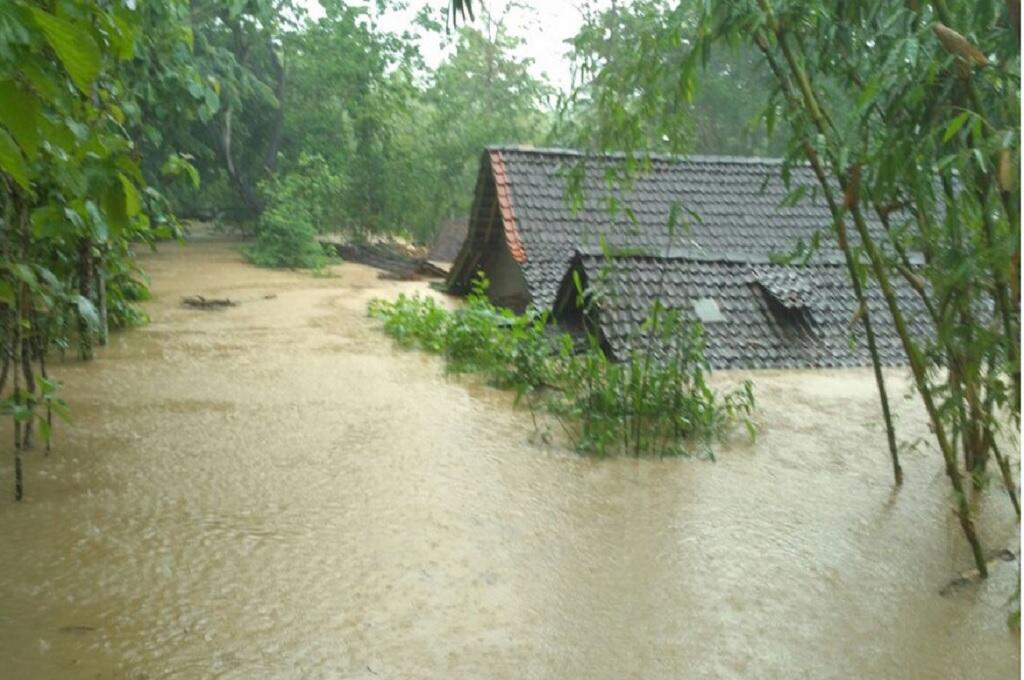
[730, 222]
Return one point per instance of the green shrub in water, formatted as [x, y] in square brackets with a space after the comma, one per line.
[296, 211]
[656, 401]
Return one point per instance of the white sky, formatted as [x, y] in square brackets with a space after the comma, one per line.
[543, 24]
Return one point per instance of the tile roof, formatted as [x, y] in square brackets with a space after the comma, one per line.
[732, 218]
[804, 317]
[790, 286]
[723, 204]
[508, 213]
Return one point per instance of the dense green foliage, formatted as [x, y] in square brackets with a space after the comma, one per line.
[400, 143]
[401, 140]
[650, 403]
[511, 350]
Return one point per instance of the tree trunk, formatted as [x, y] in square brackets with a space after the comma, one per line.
[101, 297]
[277, 129]
[251, 200]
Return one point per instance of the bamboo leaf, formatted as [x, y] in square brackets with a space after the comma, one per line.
[793, 197]
[955, 125]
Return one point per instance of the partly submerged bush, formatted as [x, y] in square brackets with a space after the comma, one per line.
[414, 322]
[511, 350]
[285, 238]
[657, 400]
[298, 207]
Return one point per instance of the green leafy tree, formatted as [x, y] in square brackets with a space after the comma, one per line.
[353, 99]
[482, 95]
[72, 192]
[205, 92]
[298, 205]
[645, 105]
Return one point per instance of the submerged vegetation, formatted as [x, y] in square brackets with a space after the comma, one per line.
[653, 402]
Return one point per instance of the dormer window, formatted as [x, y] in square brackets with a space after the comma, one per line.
[790, 295]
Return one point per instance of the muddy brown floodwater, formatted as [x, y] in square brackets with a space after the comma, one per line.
[272, 490]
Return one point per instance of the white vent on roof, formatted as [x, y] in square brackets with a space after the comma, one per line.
[707, 310]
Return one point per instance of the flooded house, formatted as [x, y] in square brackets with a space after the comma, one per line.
[724, 240]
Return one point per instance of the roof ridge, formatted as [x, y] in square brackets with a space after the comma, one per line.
[699, 255]
[619, 155]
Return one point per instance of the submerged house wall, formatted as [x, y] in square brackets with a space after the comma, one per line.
[508, 285]
[491, 244]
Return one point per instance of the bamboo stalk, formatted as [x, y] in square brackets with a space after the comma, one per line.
[1012, 211]
[916, 363]
[1004, 469]
[858, 291]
